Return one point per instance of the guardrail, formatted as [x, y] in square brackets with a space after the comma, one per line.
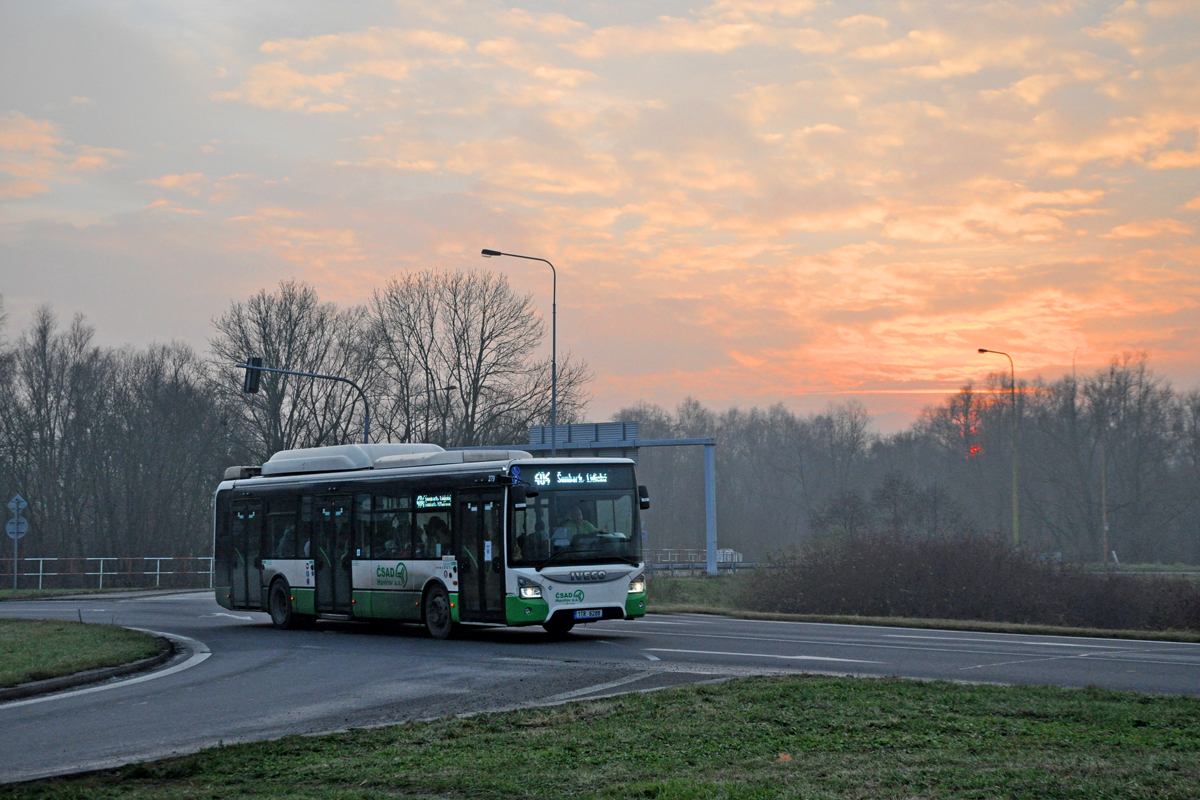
[188, 572]
[693, 568]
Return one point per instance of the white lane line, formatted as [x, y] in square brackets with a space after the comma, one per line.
[763, 655]
[223, 614]
[1117, 656]
[599, 687]
[651, 658]
[1001, 641]
[200, 654]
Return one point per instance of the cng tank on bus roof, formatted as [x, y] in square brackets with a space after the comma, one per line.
[340, 458]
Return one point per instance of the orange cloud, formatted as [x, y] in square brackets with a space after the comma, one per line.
[769, 195]
[1149, 229]
[33, 154]
[184, 183]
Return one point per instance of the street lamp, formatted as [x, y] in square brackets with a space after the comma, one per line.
[553, 346]
[1013, 395]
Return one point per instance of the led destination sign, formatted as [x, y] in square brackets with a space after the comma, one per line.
[565, 478]
[433, 501]
[586, 478]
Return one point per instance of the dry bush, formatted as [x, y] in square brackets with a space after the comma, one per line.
[965, 577]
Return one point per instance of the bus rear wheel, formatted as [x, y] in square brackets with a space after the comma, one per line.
[558, 625]
[438, 620]
[279, 603]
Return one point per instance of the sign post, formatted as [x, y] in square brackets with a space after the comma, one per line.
[17, 527]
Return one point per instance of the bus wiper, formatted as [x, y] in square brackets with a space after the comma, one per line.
[623, 559]
[556, 555]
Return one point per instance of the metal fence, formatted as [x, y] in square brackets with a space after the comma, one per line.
[685, 561]
[190, 572]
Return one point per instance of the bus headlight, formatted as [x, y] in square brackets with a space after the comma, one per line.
[528, 590]
[637, 585]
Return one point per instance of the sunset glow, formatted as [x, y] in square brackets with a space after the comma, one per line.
[747, 202]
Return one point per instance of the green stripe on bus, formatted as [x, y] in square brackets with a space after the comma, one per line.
[387, 605]
[223, 596]
[635, 605]
[525, 612]
[304, 601]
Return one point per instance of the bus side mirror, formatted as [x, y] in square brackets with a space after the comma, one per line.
[519, 495]
[643, 498]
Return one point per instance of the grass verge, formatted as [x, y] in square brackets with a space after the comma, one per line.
[42, 594]
[795, 736]
[978, 626]
[34, 649]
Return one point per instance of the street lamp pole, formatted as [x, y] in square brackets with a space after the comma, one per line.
[553, 345]
[1013, 395]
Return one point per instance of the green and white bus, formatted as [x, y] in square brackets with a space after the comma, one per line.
[416, 533]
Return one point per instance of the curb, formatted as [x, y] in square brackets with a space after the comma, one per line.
[957, 625]
[116, 594]
[167, 649]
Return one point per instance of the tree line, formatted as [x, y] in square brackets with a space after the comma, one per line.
[118, 450]
[1119, 445]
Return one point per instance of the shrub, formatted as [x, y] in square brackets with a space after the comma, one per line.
[966, 577]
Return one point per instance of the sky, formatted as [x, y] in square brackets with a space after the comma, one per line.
[747, 202]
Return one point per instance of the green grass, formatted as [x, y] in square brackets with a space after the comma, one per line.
[32, 649]
[720, 591]
[802, 737]
[36, 594]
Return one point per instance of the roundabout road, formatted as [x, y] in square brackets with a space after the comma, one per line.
[257, 683]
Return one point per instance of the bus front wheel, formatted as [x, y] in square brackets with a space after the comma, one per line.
[438, 621]
[559, 625]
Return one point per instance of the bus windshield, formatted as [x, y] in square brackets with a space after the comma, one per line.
[571, 523]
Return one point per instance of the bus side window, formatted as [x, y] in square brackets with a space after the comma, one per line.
[362, 526]
[433, 535]
[391, 537]
[279, 534]
[304, 531]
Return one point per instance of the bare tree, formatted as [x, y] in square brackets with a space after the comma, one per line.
[457, 351]
[291, 329]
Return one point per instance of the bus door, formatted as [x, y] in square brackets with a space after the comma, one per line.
[331, 553]
[245, 534]
[481, 556]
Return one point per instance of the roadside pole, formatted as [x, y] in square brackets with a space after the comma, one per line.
[17, 527]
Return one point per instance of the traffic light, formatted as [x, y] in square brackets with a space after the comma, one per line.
[250, 386]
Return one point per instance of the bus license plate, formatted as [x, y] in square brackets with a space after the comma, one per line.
[591, 613]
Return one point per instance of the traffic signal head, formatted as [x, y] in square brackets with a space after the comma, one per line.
[253, 374]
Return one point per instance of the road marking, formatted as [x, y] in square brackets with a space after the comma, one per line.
[599, 687]
[651, 658]
[999, 641]
[223, 614]
[1024, 661]
[200, 654]
[763, 655]
[913, 647]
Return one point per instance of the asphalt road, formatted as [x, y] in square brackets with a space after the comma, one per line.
[238, 679]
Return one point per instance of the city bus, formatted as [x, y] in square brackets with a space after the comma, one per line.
[444, 538]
